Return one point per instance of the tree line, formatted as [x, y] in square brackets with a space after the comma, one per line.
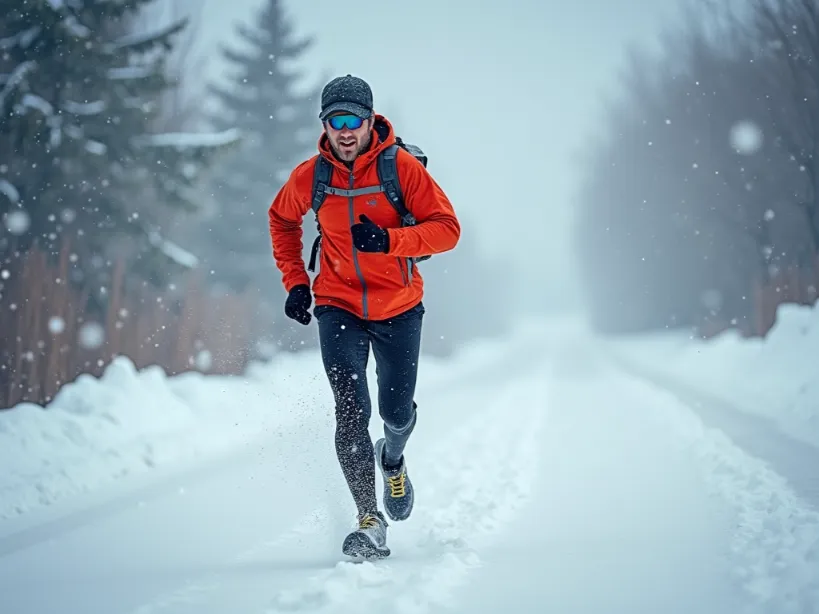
[699, 202]
[120, 219]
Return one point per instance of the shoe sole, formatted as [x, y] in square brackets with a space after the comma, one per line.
[358, 546]
[378, 448]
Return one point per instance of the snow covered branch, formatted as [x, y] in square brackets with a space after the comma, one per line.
[14, 80]
[23, 39]
[9, 191]
[126, 73]
[32, 101]
[75, 28]
[84, 108]
[144, 41]
[184, 140]
[173, 251]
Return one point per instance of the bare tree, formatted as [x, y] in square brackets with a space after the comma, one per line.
[786, 33]
[689, 198]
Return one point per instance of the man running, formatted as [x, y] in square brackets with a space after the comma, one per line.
[368, 291]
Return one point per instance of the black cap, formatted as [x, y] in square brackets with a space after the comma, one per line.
[348, 93]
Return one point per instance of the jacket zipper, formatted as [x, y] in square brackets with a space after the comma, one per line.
[403, 272]
[360, 275]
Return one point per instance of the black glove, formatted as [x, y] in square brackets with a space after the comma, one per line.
[297, 304]
[368, 237]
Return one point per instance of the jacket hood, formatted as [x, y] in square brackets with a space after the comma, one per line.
[382, 137]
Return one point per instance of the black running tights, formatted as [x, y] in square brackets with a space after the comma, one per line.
[345, 343]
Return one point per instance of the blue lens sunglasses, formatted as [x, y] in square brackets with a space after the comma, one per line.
[353, 122]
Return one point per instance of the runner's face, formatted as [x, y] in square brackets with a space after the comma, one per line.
[348, 141]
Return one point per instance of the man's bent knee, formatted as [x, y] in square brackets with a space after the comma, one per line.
[401, 422]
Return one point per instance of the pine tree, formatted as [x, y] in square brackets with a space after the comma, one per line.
[279, 127]
[79, 161]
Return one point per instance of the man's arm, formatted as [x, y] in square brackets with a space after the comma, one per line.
[438, 229]
[285, 217]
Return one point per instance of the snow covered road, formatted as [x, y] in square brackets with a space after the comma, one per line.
[546, 481]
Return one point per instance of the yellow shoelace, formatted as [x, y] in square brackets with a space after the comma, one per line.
[397, 486]
[369, 521]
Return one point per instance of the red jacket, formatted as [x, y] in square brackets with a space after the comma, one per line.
[374, 286]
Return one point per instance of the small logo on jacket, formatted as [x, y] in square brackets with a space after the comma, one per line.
[372, 202]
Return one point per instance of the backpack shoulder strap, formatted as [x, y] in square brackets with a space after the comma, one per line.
[387, 167]
[322, 175]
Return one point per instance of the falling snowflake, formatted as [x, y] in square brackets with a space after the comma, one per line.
[746, 137]
[91, 335]
[56, 325]
[18, 222]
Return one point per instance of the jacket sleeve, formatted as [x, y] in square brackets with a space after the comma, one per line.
[438, 229]
[285, 218]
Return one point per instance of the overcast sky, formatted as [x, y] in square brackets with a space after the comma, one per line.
[499, 94]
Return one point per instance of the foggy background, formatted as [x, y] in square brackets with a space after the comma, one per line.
[502, 118]
[646, 164]
[502, 97]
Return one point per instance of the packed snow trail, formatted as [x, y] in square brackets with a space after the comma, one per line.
[792, 458]
[620, 520]
[545, 481]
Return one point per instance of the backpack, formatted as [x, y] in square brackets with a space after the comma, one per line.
[388, 183]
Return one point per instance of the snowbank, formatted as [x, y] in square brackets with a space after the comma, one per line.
[776, 377]
[127, 421]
